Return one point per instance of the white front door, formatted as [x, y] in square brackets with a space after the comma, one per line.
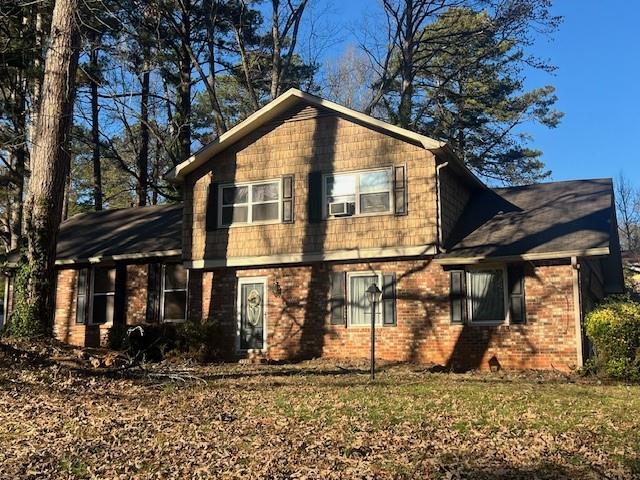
[252, 311]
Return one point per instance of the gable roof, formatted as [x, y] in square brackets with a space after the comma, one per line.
[125, 233]
[570, 218]
[283, 103]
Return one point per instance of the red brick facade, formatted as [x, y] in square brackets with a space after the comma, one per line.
[298, 323]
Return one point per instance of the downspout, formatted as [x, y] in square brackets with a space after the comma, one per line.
[439, 205]
[577, 310]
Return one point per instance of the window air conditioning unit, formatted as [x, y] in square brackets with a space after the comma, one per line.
[341, 209]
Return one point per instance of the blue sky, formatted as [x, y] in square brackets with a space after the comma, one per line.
[597, 52]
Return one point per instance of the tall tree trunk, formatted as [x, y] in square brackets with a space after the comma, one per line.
[49, 169]
[143, 152]
[276, 57]
[407, 68]
[18, 164]
[183, 108]
[95, 124]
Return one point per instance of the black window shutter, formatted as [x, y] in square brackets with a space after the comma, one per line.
[389, 299]
[400, 189]
[211, 219]
[314, 197]
[120, 294]
[457, 296]
[82, 296]
[337, 301]
[153, 292]
[515, 275]
[287, 198]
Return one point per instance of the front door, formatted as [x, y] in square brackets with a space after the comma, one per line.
[251, 313]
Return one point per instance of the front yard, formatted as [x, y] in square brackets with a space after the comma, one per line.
[311, 420]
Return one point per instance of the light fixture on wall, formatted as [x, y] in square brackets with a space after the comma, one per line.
[276, 289]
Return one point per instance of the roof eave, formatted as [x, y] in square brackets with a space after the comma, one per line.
[278, 106]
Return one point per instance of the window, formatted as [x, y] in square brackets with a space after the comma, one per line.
[487, 295]
[175, 278]
[104, 289]
[249, 203]
[359, 305]
[359, 193]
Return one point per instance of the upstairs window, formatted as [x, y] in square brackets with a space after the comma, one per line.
[359, 193]
[243, 204]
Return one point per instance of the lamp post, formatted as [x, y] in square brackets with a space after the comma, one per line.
[373, 292]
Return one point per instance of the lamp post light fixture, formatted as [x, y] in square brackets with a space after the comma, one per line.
[373, 292]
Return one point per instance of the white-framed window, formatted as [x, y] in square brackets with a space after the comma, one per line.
[487, 294]
[359, 306]
[175, 281]
[249, 203]
[368, 192]
[103, 291]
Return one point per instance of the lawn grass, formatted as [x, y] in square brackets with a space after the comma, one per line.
[313, 420]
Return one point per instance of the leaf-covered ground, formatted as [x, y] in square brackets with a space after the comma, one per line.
[310, 420]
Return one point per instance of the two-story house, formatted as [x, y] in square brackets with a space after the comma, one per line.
[289, 217]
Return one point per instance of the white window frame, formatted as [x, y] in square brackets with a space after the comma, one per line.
[250, 203]
[505, 291]
[92, 294]
[357, 213]
[163, 291]
[379, 305]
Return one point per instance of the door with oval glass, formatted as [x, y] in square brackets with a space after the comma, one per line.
[251, 313]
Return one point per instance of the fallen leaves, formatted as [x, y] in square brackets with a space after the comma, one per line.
[308, 421]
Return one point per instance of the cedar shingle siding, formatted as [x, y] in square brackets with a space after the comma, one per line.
[326, 143]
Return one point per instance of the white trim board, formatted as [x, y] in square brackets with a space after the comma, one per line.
[336, 255]
[123, 256]
[590, 252]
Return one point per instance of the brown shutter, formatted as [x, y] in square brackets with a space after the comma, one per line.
[389, 299]
[515, 274]
[400, 189]
[82, 296]
[211, 220]
[314, 197]
[457, 296]
[120, 292]
[337, 301]
[288, 182]
[154, 278]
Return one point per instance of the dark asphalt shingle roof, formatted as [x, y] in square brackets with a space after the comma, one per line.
[121, 231]
[540, 218]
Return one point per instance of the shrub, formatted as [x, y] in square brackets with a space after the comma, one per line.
[204, 342]
[614, 330]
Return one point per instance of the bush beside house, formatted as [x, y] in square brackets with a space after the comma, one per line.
[201, 341]
[614, 330]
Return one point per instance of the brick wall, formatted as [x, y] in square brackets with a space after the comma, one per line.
[298, 325]
[326, 143]
[136, 288]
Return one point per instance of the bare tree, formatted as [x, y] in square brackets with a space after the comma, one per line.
[628, 207]
[348, 79]
[285, 25]
[49, 170]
